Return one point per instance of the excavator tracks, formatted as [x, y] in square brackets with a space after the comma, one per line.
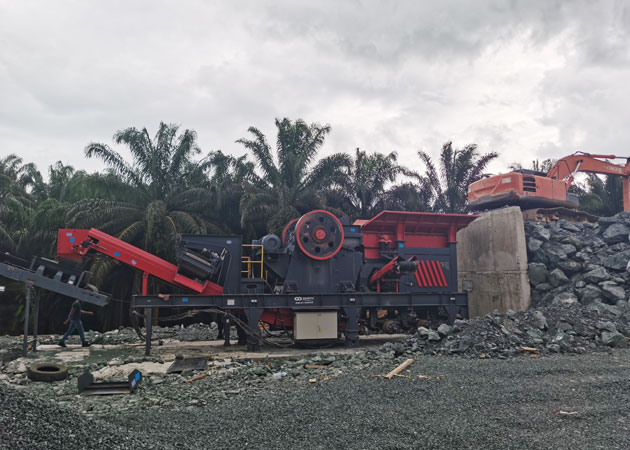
[552, 215]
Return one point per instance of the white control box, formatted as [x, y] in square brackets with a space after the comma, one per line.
[315, 325]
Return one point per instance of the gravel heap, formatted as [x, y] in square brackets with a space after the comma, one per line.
[563, 328]
[27, 422]
[579, 262]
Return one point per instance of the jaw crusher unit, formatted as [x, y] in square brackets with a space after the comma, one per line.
[322, 278]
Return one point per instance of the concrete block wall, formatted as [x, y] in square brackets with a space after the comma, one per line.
[492, 253]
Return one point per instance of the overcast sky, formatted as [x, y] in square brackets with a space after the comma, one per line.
[527, 79]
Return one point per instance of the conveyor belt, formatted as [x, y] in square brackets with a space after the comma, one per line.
[38, 279]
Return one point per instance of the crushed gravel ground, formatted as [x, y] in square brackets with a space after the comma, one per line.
[445, 403]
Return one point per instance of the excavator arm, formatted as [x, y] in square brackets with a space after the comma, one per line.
[566, 168]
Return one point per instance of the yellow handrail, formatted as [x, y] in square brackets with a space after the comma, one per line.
[250, 262]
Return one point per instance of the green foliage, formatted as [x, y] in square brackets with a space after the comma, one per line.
[537, 165]
[458, 169]
[361, 185]
[292, 182]
[602, 197]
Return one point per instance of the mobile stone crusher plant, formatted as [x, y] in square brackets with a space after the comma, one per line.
[321, 278]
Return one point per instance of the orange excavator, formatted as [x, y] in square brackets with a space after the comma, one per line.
[531, 189]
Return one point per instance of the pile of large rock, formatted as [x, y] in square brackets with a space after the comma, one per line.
[562, 328]
[580, 279]
[579, 262]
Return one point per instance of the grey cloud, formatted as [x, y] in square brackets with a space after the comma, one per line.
[528, 79]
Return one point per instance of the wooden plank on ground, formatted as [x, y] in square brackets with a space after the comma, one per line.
[399, 369]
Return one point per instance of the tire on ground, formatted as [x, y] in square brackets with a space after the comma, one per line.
[47, 372]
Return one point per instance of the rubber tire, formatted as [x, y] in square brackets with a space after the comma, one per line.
[47, 372]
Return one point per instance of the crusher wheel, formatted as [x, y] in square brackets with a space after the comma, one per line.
[319, 234]
[288, 229]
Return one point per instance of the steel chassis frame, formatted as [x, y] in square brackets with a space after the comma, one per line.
[37, 278]
[253, 306]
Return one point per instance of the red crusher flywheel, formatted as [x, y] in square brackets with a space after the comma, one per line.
[288, 229]
[319, 234]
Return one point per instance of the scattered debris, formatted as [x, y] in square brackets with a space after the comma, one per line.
[427, 377]
[197, 378]
[88, 386]
[279, 375]
[567, 413]
[399, 369]
[47, 372]
[180, 364]
[529, 349]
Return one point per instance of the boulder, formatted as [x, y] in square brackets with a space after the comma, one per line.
[433, 336]
[539, 231]
[604, 222]
[612, 291]
[617, 232]
[539, 320]
[543, 287]
[616, 261]
[533, 244]
[423, 332]
[574, 241]
[605, 310]
[565, 299]
[570, 267]
[582, 256]
[590, 294]
[568, 249]
[569, 226]
[535, 334]
[557, 278]
[445, 330]
[614, 339]
[537, 273]
[596, 275]
[563, 340]
[606, 325]
[554, 252]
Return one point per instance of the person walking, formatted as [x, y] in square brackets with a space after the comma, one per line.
[74, 319]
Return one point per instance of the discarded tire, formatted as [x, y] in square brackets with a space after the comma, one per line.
[47, 372]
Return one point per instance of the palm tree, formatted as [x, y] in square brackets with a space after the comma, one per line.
[291, 183]
[458, 169]
[537, 165]
[409, 196]
[16, 202]
[362, 188]
[226, 187]
[152, 198]
[602, 197]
